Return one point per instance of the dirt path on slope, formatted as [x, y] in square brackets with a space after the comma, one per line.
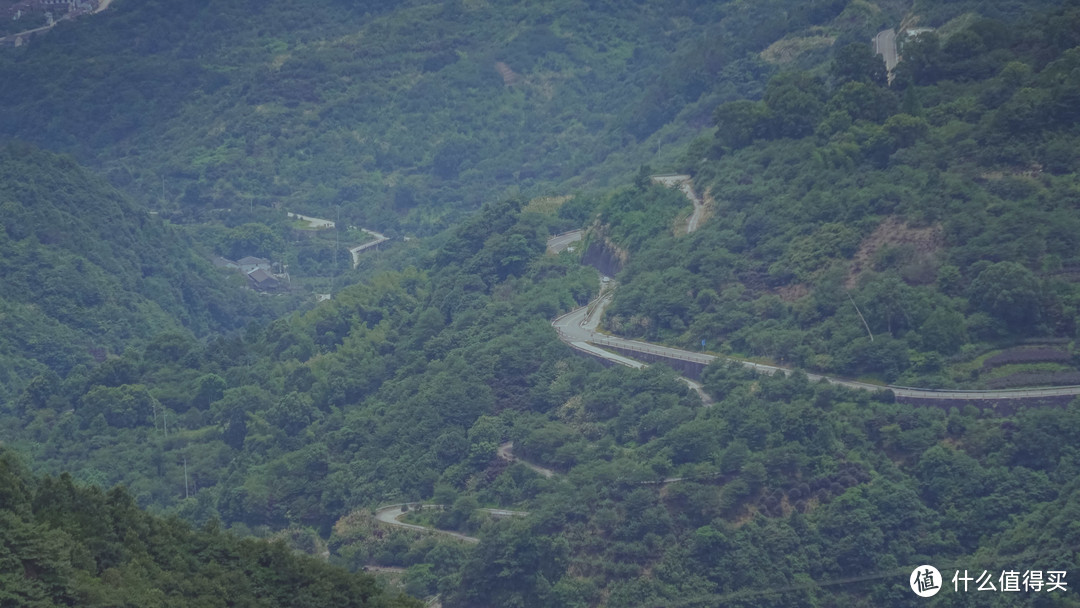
[506, 452]
[685, 183]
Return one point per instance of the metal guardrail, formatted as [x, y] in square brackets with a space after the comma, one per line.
[900, 391]
[997, 391]
[662, 351]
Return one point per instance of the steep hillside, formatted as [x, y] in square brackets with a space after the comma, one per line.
[67, 545]
[403, 388]
[936, 214]
[87, 273]
[402, 115]
[901, 232]
[282, 424]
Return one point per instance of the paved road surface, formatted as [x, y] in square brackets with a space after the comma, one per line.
[356, 251]
[102, 5]
[390, 514]
[319, 223]
[578, 329]
[384, 569]
[36, 30]
[560, 242]
[885, 45]
[504, 513]
[313, 222]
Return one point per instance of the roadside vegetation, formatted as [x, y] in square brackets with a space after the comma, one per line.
[935, 214]
[895, 232]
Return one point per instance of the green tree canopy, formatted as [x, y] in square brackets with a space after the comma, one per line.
[1011, 293]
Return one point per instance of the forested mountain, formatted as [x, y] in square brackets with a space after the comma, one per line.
[299, 420]
[66, 545]
[87, 273]
[402, 388]
[897, 232]
[935, 212]
[400, 115]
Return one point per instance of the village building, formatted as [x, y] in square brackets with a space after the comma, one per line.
[251, 263]
[262, 280]
[257, 270]
[227, 264]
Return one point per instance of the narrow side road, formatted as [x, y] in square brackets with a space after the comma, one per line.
[390, 513]
[686, 185]
[506, 453]
[313, 222]
[319, 224]
[885, 45]
[356, 251]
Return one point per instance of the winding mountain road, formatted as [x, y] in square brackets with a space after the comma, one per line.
[356, 251]
[577, 328]
[317, 223]
[885, 45]
[561, 242]
[390, 515]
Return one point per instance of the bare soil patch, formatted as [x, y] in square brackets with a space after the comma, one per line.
[509, 76]
[925, 242]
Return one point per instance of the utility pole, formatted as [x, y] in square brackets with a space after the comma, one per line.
[867, 326]
[285, 262]
[337, 238]
[186, 493]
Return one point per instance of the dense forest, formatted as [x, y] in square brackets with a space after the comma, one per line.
[911, 228]
[898, 232]
[88, 273]
[403, 118]
[62, 544]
